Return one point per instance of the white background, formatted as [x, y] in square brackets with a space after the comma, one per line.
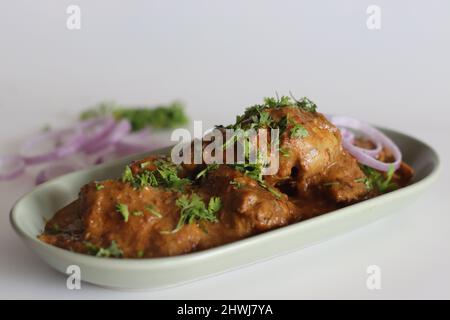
[218, 57]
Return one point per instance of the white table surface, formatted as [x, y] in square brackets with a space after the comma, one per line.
[218, 57]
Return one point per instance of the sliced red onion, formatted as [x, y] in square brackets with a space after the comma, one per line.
[95, 130]
[11, 166]
[118, 131]
[54, 171]
[106, 155]
[347, 135]
[136, 143]
[51, 145]
[366, 156]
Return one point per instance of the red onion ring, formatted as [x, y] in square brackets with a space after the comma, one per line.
[95, 131]
[136, 143]
[112, 139]
[54, 171]
[59, 149]
[347, 135]
[119, 131]
[365, 156]
[11, 166]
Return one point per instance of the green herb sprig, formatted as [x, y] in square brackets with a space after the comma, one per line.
[161, 117]
[123, 210]
[377, 181]
[112, 251]
[165, 175]
[193, 210]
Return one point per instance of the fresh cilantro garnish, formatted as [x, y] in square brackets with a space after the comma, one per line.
[283, 123]
[53, 228]
[376, 180]
[298, 131]
[153, 211]
[137, 213]
[214, 205]
[284, 152]
[276, 102]
[112, 251]
[305, 104]
[99, 186]
[162, 117]
[144, 164]
[264, 120]
[145, 179]
[236, 184]
[127, 175]
[255, 171]
[123, 210]
[193, 210]
[206, 170]
[273, 191]
[257, 116]
[165, 175]
[252, 170]
[140, 254]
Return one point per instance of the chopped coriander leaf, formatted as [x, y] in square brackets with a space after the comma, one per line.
[256, 116]
[153, 211]
[140, 254]
[165, 175]
[236, 136]
[123, 210]
[91, 248]
[168, 176]
[387, 185]
[376, 180]
[145, 179]
[306, 104]
[265, 120]
[276, 102]
[214, 204]
[208, 168]
[283, 123]
[137, 213]
[162, 117]
[99, 186]
[298, 131]
[274, 192]
[236, 184]
[193, 210]
[254, 170]
[284, 152]
[367, 182]
[112, 251]
[145, 164]
[54, 228]
[101, 110]
[127, 175]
